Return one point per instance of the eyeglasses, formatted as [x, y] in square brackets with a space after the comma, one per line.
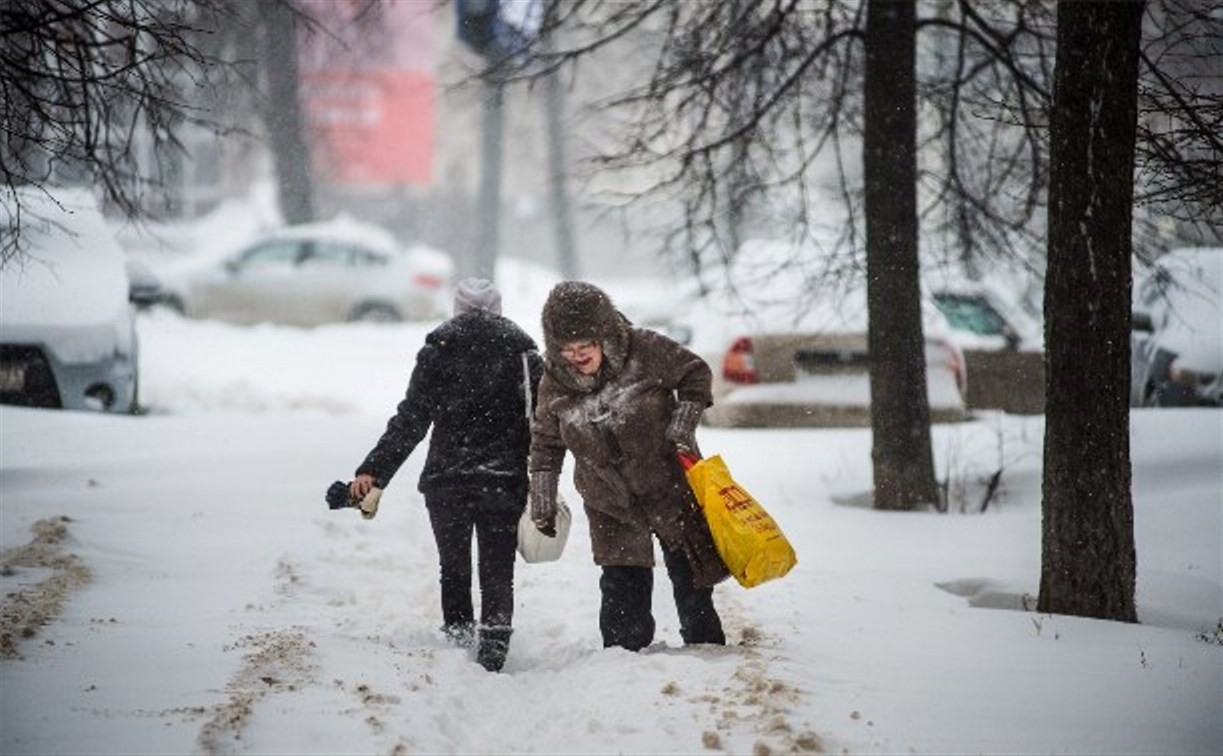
[573, 350]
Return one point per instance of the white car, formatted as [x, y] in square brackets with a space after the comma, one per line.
[1176, 343]
[341, 270]
[67, 330]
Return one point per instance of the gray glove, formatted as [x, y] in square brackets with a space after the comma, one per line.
[542, 500]
[682, 430]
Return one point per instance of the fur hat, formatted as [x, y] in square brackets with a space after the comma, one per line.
[476, 294]
[578, 311]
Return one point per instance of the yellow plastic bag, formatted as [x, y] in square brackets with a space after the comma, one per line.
[746, 536]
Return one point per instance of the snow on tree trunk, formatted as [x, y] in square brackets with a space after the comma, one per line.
[900, 411]
[1088, 560]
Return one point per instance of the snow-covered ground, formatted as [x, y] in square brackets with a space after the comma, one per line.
[229, 611]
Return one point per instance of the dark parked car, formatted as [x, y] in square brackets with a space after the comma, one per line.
[1177, 337]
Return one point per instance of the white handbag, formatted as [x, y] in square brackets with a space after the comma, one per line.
[537, 547]
[532, 544]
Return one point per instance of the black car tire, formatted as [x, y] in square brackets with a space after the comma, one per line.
[134, 408]
[1158, 374]
[1173, 395]
[375, 312]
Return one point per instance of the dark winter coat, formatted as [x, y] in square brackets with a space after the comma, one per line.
[615, 422]
[468, 384]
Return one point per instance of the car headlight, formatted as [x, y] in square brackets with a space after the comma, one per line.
[1187, 377]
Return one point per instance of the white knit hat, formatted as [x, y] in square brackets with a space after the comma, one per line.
[476, 294]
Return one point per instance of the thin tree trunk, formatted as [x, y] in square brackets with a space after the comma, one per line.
[1088, 559]
[900, 410]
[488, 212]
[283, 118]
[558, 169]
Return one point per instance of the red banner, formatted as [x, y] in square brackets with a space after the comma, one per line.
[367, 90]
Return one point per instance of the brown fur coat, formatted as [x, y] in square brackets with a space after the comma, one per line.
[614, 423]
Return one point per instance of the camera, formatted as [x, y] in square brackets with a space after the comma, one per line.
[338, 497]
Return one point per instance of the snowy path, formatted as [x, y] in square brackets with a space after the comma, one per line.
[232, 612]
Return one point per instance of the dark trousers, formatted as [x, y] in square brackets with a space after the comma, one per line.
[626, 619]
[454, 518]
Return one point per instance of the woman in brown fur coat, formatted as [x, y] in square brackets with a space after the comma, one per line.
[622, 400]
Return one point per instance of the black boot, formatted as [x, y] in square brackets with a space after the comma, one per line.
[625, 617]
[461, 634]
[698, 619]
[494, 645]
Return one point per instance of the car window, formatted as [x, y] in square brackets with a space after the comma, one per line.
[366, 259]
[270, 254]
[331, 254]
[969, 313]
[328, 255]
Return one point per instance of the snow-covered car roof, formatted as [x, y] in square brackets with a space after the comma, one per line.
[1191, 319]
[72, 268]
[70, 288]
[345, 229]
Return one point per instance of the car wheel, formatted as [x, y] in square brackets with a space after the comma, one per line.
[1173, 395]
[375, 312]
[134, 408]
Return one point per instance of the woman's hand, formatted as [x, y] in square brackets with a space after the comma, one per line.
[542, 500]
[360, 486]
[682, 430]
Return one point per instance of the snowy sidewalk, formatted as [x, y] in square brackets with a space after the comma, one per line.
[229, 611]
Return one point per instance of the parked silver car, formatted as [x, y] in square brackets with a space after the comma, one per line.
[1176, 343]
[341, 270]
[67, 330]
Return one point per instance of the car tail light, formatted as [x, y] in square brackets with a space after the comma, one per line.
[739, 365]
[428, 280]
[955, 361]
[1178, 373]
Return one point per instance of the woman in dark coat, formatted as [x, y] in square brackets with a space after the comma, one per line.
[623, 399]
[469, 384]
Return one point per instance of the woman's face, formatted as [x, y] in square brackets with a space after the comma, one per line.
[585, 356]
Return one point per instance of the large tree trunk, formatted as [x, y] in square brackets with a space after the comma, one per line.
[282, 117]
[1088, 561]
[900, 410]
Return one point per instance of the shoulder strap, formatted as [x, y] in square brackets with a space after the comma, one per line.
[526, 386]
